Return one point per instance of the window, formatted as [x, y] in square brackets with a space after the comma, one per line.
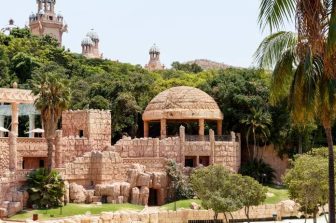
[190, 161]
[81, 133]
[50, 18]
[41, 164]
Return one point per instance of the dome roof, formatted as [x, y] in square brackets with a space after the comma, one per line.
[59, 15]
[154, 49]
[93, 35]
[32, 15]
[183, 103]
[87, 41]
[41, 12]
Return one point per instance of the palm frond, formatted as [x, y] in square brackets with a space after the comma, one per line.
[272, 48]
[274, 13]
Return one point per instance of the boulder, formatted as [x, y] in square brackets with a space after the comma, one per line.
[77, 193]
[159, 180]
[135, 195]
[144, 195]
[195, 206]
[143, 180]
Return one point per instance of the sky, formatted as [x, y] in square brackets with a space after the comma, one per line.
[220, 30]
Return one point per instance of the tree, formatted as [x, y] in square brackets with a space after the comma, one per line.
[53, 96]
[309, 186]
[257, 122]
[304, 64]
[45, 188]
[216, 188]
[251, 193]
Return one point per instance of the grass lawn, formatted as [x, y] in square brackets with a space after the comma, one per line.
[180, 204]
[278, 194]
[74, 209]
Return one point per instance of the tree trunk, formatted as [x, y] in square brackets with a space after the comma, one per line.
[254, 144]
[50, 154]
[324, 213]
[331, 175]
[300, 143]
[226, 220]
[215, 217]
[314, 217]
[247, 210]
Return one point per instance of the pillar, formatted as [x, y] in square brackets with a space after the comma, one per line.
[146, 129]
[2, 124]
[212, 146]
[58, 149]
[219, 127]
[12, 151]
[163, 124]
[201, 127]
[15, 118]
[31, 125]
[182, 146]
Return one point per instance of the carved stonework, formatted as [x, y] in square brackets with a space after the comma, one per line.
[11, 95]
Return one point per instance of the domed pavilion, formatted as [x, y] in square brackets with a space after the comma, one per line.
[185, 104]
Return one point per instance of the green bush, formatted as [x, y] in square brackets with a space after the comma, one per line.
[259, 170]
[45, 189]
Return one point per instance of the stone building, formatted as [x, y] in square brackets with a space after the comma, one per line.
[132, 170]
[46, 21]
[154, 59]
[90, 45]
[7, 29]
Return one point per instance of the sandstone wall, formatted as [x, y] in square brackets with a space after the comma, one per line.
[4, 155]
[30, 147]
[228, 154]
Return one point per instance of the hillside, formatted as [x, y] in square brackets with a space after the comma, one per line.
[208, 64]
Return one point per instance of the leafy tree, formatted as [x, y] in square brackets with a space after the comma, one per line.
[45, 188]
[309, 186]
[216, 188]
[22, 66]
[304, 64]
[181, 185]
[191, 68]
[52, 88]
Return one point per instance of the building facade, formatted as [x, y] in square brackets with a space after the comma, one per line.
[46, 21]
[154, 59]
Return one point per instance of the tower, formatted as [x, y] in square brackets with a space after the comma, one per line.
[154, 59]
[46, 22]
[90, 45]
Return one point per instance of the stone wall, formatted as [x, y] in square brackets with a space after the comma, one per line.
[228, 154]
[4, 155]
[32, 148]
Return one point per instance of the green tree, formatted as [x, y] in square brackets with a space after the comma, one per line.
[304, 64]
[216, 187]
[52, 89]
[309, 186]
[45, 188]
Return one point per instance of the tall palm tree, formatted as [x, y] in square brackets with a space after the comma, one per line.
[52, 89]
[304, 63]
[258, 123]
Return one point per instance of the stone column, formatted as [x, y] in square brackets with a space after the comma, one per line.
[2, 124]
[212, 146]
[182, 145]
[15, 118]
[219, 127]
[12, 151]
[31, 125]
[58, 149]
[146, 129]
[201, 127]
[163, 124]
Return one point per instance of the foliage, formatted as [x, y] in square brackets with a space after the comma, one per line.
[45, 188]
[259, 170]
[191, 68]
[306, 185]
[181, 186]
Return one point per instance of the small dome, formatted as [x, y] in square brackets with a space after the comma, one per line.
[87, 41]
[41, 12]
[32, 15]
[59, 15]
[93, 35]
[182, 103]
[154, 49]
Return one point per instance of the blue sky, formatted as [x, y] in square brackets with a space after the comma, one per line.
[220, 30]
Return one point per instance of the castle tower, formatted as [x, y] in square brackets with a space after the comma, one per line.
[154, 59]
[90, 45]
[46, 22]
[7, 29]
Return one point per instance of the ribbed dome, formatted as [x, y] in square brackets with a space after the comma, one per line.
[93, 35]
[41, 12]
[87, 41]
[59, 15]
[154, 49]
[182, 103]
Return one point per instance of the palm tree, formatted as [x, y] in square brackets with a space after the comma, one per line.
[304, 64]
[52, 89]
[258, 123]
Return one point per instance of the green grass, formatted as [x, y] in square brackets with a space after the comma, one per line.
[74, 209]
[280, 194]
[180, 204]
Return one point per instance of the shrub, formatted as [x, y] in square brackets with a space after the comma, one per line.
[45, 189]
[259, 170]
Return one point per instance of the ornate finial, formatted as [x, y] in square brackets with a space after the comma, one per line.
[15, 85]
